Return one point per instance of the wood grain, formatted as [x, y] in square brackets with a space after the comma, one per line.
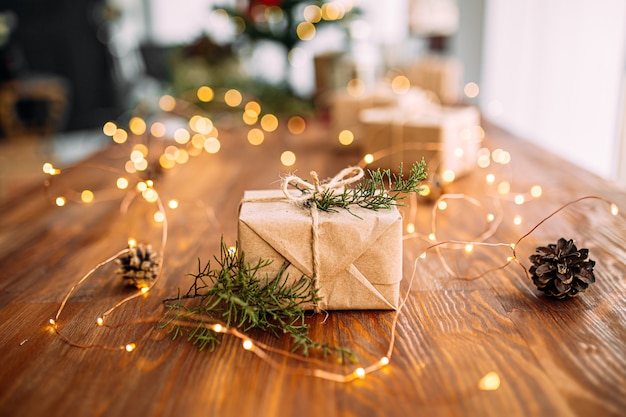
[557, 358]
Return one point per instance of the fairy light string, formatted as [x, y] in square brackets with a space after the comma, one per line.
[267, 353]
[317, 368]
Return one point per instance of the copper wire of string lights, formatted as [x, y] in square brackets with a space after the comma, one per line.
[317, 368]
[54, 322]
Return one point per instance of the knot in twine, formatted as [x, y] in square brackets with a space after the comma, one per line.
[337, 183]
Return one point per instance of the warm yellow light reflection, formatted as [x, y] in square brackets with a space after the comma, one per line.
[442, 205]
[469, 248]
[424, 190]
[256, 137]
[205, 94]
[212, 145]
[120, 136]
[159, 217]
[504, 187]
[305, 31]
[109, 128]
[87, 196]
[287, 158]
[490, 178]
[141, 165]
[359, 373]
[248, 345]
[296, 125]
[410, 228]
[130, 347]
[122, 183]
[448, 175]
[519, 199]
[312, 13]
[173, 204]
[182, 157]
[369, 158]
[150, 195]
[218, 328]
[536, 191]
[137, 125]
[400, 84]
[233, 98]
[142, 186]
[166, 162]
[182, 136]
[269, 122]
[346, 137]
[517, 220]
[47, 168]
[490, 217]
[432, 236]
[489, 382]
[60, 201]
[197, 140]
[250, 117]
[333, 10]
[157, 129]
[167, 103]
[253, 107]
[614, 209]
[130, 167]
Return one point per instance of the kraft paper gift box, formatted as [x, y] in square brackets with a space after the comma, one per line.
[346, 107]
[448, 138]
[443, 75]
[359, 252]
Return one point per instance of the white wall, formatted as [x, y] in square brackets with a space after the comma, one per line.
[553, 72]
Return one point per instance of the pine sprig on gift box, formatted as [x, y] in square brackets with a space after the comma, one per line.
[235, 294]
[382, 190]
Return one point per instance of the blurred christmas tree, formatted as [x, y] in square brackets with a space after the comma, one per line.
[286, 23]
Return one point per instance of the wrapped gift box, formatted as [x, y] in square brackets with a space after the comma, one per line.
[346, 107]
[359, 252]
[447, 137]
[443, 75]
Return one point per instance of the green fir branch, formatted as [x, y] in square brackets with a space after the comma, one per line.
[237, 295]
[382, 190]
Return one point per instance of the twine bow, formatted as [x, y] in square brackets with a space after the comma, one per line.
[337, 183]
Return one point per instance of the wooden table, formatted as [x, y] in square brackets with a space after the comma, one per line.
[539, 356]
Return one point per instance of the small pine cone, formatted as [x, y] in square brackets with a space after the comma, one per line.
[139, 266]
[562, 270]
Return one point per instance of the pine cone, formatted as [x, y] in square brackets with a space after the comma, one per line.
[138, 267]
[562, 270]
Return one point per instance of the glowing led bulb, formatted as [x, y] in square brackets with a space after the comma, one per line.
[100, 321]
[423, 255]
[469, 247]
[490, 178]
[53, 322]
[360, 373]
[448, 175]
[410, 228]
[369, 158]
[490, 217]
[248, 345]
[122, 183]
[218, 328]
[432, 236]
[48, 168]
[173, 204]
[145, 290]
[159, 217]
[442, 205]
[517, 220]
[614, 209]
[489, 382]
[536, 191]
[384, 361]
[130, 347]
[519, 199]
[60, 201]
[132, 243]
